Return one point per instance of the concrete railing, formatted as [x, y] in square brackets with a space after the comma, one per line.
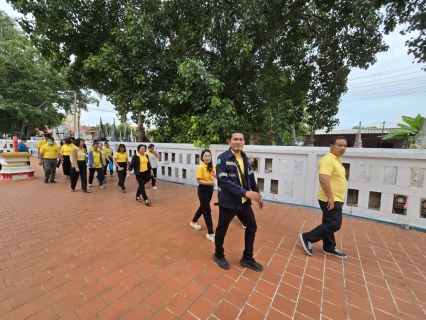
[383, 184]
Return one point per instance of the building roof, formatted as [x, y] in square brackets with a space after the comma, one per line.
[377, 131]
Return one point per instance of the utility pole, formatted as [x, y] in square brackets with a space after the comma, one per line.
[75, 111]
[383, 129]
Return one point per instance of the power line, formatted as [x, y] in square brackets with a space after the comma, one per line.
[395, 95]
[386, 72]
[383, 90]
[359, 85]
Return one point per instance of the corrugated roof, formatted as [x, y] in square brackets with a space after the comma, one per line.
[377, 131]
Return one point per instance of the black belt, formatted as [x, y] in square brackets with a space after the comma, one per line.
[49, 159]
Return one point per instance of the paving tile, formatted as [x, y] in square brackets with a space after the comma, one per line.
[178, 305]
[226, 311]
[137, 313]
[47, 300]
[26, 296]
[135, 296]
[136, 263]
[113, 293]
[46, 314]
[90, 308]
[156, 301]
[114, 311]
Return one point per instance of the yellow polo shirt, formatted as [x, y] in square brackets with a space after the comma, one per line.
[332, 166]
[81, 155]
[67, 148]
[203, 173]
[241, 163]
[143, 162]
[120, 156]
[97, 159]
[41, 143]
[107, 151]
[50, 152]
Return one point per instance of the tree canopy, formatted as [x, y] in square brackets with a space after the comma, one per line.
[31, 91]
[199, 69]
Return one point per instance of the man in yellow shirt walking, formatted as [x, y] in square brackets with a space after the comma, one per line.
[331, 196]
[47, 156]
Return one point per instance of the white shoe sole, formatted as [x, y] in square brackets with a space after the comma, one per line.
[194, 226]
[303, 245]
[332, 254]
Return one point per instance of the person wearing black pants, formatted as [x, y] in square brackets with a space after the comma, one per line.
[332, 177]
[153, 160]
[206, 171]
[79, 166]
[246, 215]
[237, 187]
[143, 171]
[96, 164]
[121, 164]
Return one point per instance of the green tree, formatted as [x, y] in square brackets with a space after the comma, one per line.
[411, 129]
[32, 93]
[198, 69]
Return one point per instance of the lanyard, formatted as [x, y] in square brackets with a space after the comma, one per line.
[243, 177]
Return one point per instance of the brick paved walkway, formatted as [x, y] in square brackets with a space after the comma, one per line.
[105, 256]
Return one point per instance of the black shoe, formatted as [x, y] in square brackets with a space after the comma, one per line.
[306, 244]
[46, 180]
[53, 181]
[252, 264]
[336, 253]
[221, 262]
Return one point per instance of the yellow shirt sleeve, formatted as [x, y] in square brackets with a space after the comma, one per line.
[200, 172]
[325, 166]
[41, 143]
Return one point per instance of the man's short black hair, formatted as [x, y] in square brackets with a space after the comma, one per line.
[150, 146]
[334, 139]
[235, 131]
[50, 138]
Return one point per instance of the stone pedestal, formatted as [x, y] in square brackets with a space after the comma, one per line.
[15, 166]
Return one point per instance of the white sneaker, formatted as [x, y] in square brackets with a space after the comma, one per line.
[244, 227]
[196, 226]
[155, 188]
[210, 237]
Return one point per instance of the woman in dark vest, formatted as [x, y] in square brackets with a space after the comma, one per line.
[143, 172]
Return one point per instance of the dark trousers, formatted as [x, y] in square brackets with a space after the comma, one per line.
[154, 177]
[205, 194]
[331, 223]
[66, 166]
[246, 215]
[82, 166]
[142, 178]
[100, 172]
[106, 168]
[122, 175]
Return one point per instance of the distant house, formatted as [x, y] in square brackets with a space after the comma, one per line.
[370, 137]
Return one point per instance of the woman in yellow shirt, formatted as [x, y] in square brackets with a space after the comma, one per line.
[66, 149]
[121, 163]
[205, 174]
[107, 152]
[79, 166]
[143, 171]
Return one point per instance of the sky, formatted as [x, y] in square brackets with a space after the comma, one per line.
[394, 86]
